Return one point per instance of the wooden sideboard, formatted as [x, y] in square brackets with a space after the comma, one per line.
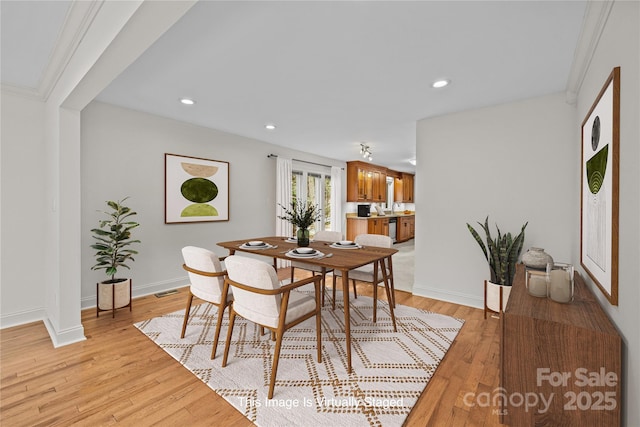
[560, 364]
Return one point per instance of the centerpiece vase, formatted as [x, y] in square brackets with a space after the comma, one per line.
[303, 237]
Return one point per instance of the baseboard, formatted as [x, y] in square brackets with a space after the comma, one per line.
[143, 290]
[448, 296]
[22, 317]
[65, 336]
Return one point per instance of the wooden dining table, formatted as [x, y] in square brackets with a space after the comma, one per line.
[333, 259]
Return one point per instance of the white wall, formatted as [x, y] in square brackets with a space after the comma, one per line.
[515, 163]
[22, 275]
[123, 155]
[619, 45]
[460, 158]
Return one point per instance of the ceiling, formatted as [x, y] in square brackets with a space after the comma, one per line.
[329, 75]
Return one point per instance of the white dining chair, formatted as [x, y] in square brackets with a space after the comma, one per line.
[259, 298]
[206, 276]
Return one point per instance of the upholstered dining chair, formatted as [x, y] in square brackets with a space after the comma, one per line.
[366, 273]
[206, 274]
[320, 236]
[259, 298]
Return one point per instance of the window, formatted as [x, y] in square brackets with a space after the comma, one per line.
[313, 184]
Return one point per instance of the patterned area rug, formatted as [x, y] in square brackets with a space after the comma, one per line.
[390, 370]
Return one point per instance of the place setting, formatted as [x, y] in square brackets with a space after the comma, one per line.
[256, 244]
[294, 240]
[345, 244]
[305, 253]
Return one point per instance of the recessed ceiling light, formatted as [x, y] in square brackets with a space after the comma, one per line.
[187, 101]
[270, 126]
[440, 83]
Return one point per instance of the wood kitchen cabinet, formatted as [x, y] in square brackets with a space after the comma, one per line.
[403, 188]
[406, 228]
[371, 225]
[570, 355]
[379, 225]
[356, 226]
[366, 182]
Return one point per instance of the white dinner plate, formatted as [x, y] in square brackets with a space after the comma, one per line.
[339, 246]
[315, 254]
[294, 240]
[248, 246]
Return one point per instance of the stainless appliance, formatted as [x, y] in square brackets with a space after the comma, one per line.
[393, 224]
[364, 210]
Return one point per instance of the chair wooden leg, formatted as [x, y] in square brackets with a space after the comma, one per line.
[324, 281]
[216, 336]
[355, 293]
[291, 268]
[333, 302]
[393, 317]
[186, 314]
[375, 302]
[276, 359]
[232, 318]
[318, 326]
[393, 287]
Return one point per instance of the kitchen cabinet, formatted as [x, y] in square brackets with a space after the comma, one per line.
[366, 182]
[403, 188]
[371, 225]
[378, 225]
[357, 226]
[406, 229]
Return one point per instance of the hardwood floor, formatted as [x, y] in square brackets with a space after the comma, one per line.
[118, 376]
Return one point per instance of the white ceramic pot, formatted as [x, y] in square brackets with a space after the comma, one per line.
[493, 296]
[537, 258]
[105, 296]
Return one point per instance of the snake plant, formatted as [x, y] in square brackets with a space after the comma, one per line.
[501, 253]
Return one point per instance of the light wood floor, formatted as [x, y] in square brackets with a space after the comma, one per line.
[118, 376]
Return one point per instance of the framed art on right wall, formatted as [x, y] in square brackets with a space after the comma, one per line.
[599, 189]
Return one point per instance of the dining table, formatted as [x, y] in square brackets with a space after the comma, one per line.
[332, 256]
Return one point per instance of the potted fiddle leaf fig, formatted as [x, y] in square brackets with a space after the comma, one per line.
[502, 254]
[113, 250]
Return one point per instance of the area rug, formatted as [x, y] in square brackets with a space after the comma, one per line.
[390, 369]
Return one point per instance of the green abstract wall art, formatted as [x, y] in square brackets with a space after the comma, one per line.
[600, 188]
[196, 189]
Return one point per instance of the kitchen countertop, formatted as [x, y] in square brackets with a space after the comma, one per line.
[389, 215]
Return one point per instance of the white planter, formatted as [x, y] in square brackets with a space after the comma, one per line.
[492, 293]
[106, 295]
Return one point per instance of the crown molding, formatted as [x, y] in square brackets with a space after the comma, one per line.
[25, 92]
[76, 24]
[595, 19]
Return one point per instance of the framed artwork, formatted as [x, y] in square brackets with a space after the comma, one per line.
[599, 194]
[195, 189]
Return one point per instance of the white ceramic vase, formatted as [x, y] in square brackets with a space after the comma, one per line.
[537, 258]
